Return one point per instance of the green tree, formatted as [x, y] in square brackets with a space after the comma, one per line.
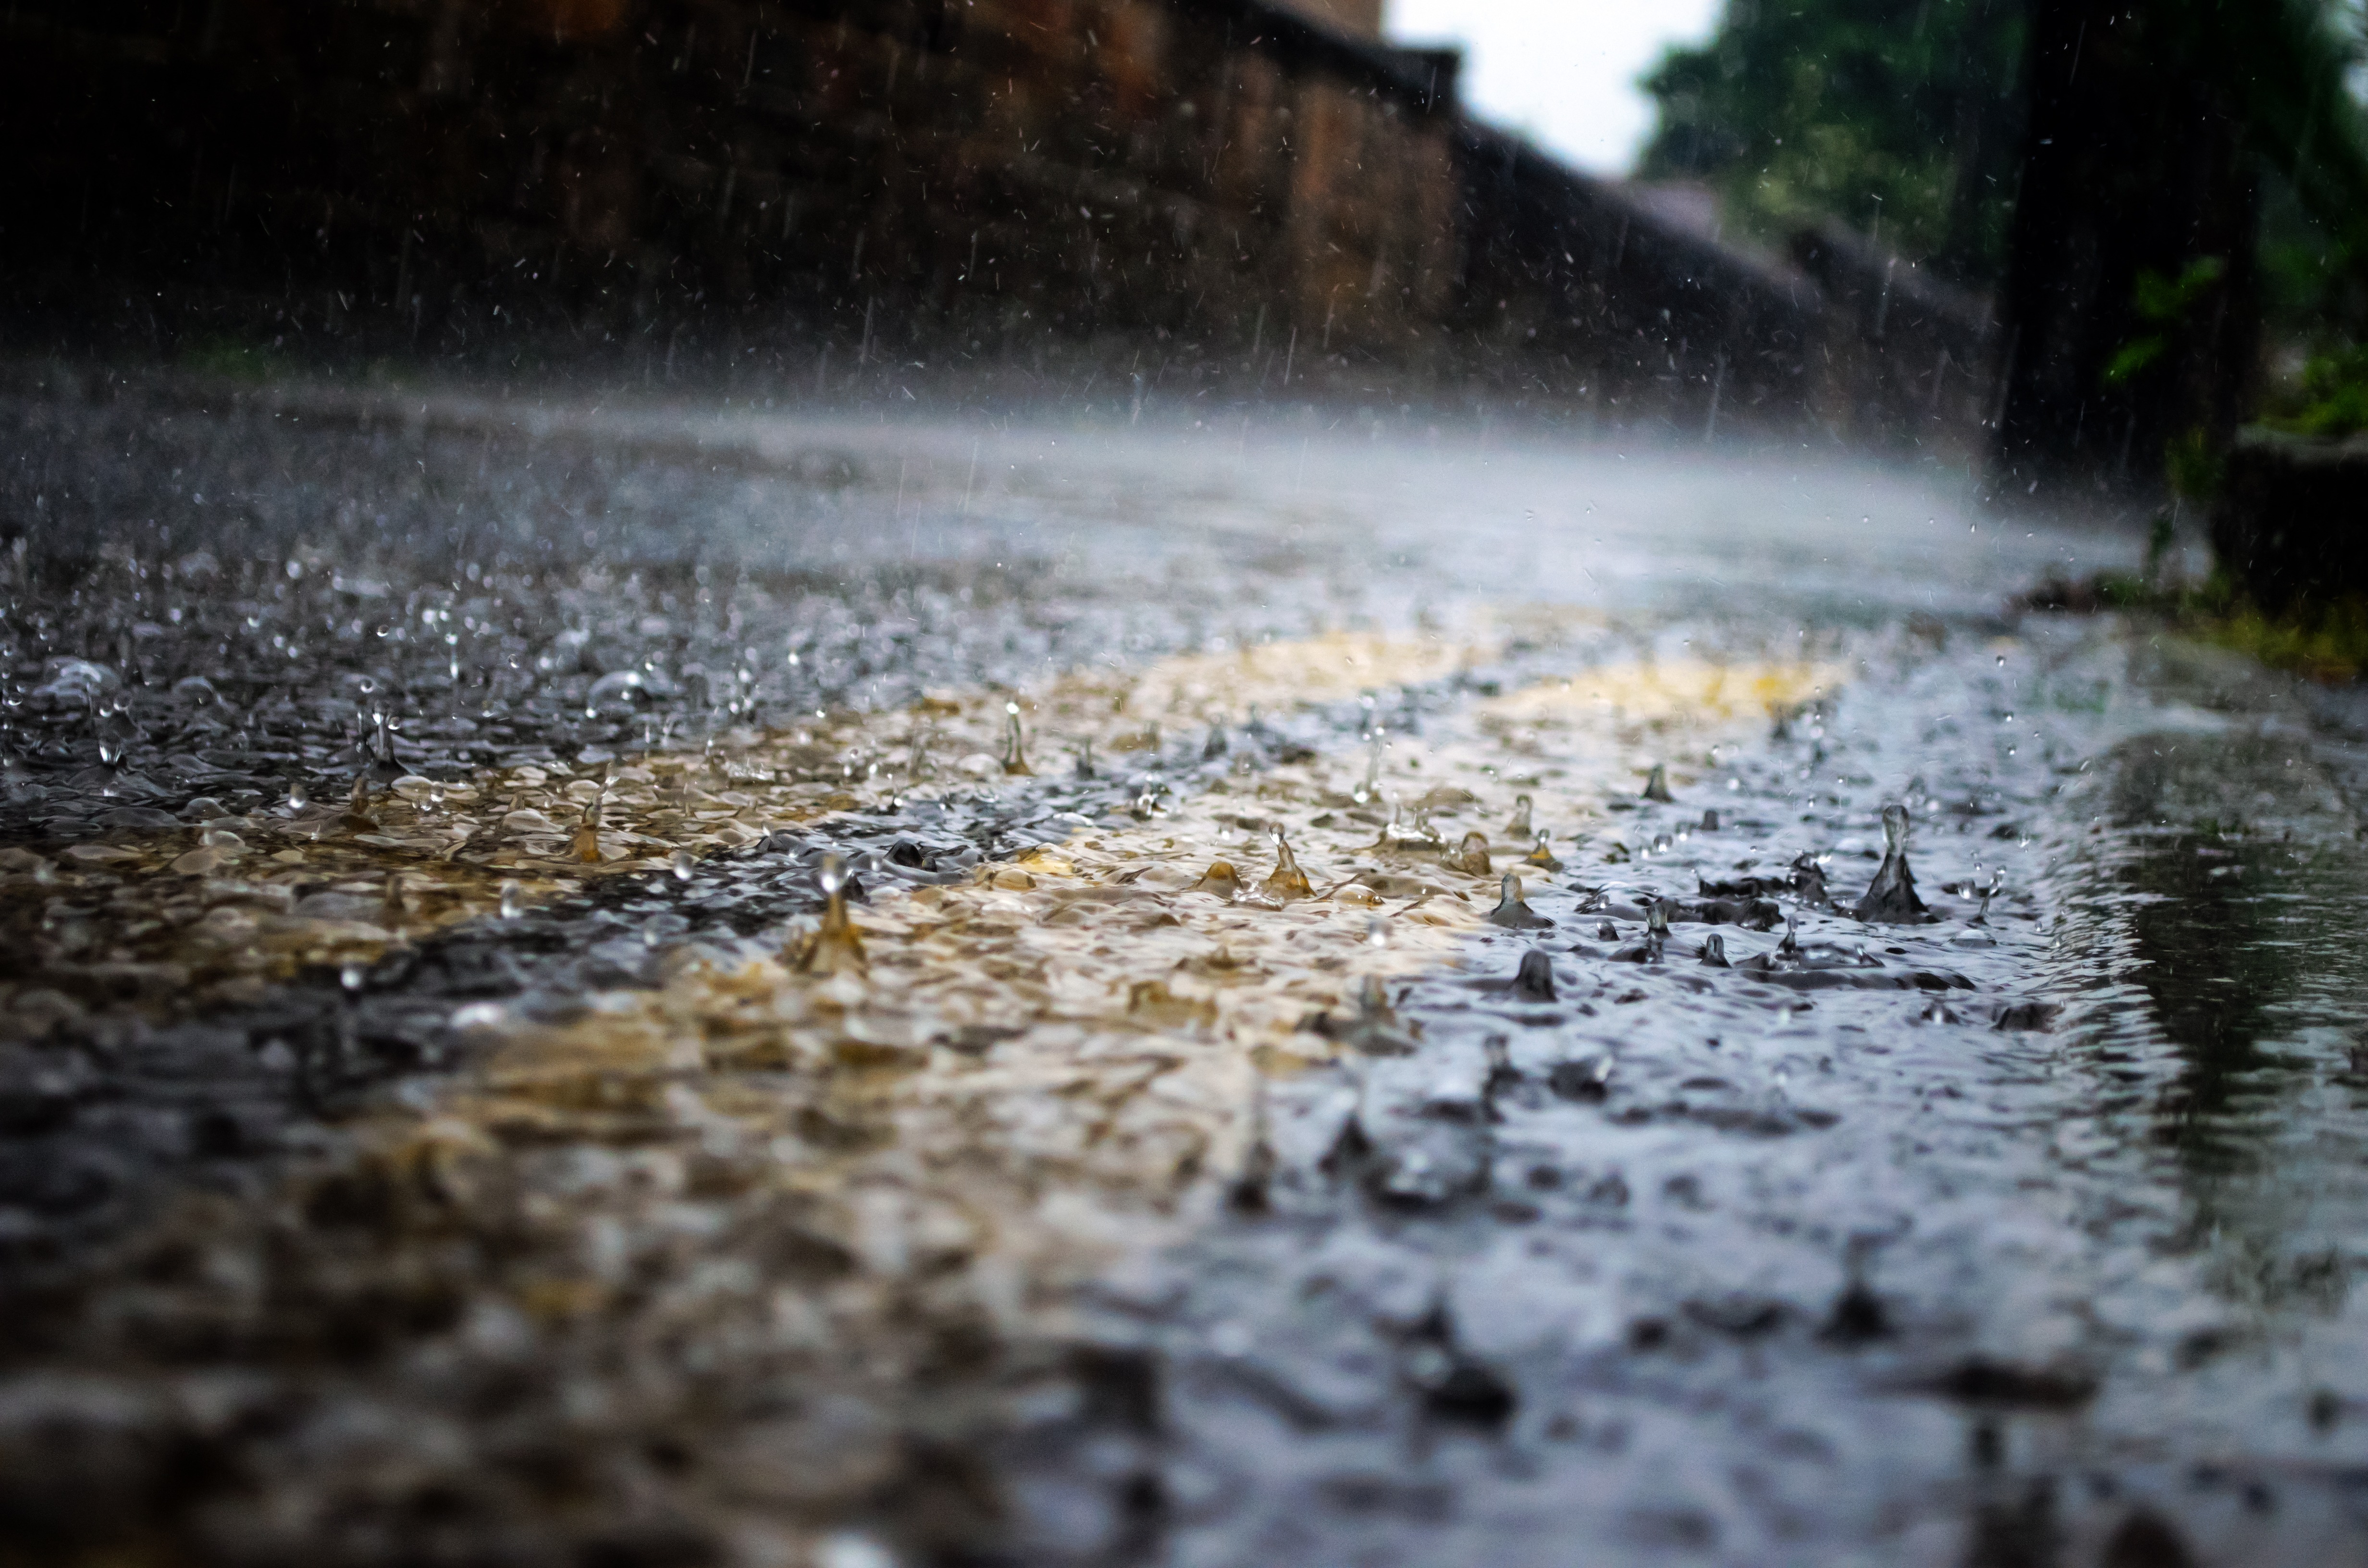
[1900, 118]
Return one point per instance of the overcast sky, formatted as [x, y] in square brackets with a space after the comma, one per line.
[1561, 71]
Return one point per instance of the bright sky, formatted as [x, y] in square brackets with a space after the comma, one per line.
[1562, 72]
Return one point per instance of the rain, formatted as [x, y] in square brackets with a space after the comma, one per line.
[904, 786]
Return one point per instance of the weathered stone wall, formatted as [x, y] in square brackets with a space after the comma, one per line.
[1212, 191]
[1361, 17]
[1082, 164]
[1921, 353]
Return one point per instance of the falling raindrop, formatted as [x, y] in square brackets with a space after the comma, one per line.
[682, 864]
[1372, 788]
[512, 900]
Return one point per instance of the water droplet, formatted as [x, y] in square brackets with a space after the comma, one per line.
[682, 864]
[1372, 788]
[831, 875]
[351, 977]
[512, 900]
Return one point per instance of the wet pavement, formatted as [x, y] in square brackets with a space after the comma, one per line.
[443, 1119]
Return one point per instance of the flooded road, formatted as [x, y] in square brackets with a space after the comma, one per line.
[683, 985]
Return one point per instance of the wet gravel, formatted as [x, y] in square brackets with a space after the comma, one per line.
[2023, 1232]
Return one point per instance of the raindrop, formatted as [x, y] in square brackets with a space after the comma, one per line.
[512, 900]
[1372, 788]
[682, 863]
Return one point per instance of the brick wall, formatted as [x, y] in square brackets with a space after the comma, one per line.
[1217, 187]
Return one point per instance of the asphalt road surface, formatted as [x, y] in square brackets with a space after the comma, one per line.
[681, 984]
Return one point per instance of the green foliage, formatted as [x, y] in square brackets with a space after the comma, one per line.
[2165, 304]
[234, 359]
[2167, 301]
[2334, 398]
[2193, 464]
[2328, 642]
[1896, 118]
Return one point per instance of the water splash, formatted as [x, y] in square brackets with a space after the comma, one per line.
[1891, 898]
[1470, 857]
[1512, 911]
[1287, 881]
[1221, 879]
[1015, 755]
[836, 946]
[585, 846]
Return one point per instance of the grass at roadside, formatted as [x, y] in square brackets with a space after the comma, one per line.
[2326, 642]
